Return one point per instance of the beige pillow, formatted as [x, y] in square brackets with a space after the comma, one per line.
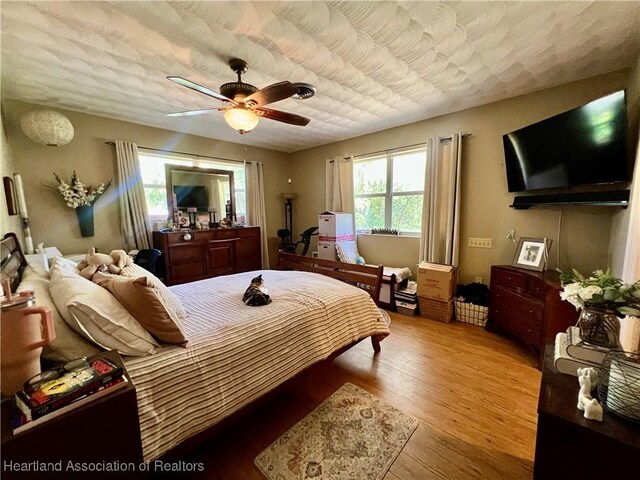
[95, 314]
[170, 301]
[146, 305]
[67, 345]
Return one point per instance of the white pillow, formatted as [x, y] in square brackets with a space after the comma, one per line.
[65, 264]
[67, 345]
[35, 270]
[95, 314]
[347, 251]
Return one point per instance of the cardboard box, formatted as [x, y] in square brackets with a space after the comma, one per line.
[437, 281]
[436, 310]
[335, 227]
[327, 251]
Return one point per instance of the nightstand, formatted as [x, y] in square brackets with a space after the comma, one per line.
[105, 430]
[568, 446]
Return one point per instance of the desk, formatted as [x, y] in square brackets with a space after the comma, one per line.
[569, 446]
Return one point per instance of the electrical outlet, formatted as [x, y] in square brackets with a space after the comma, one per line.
[480, 242]
[479, 280]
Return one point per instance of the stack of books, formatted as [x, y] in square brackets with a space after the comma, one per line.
[62, 390]
[407, 299]
[571, 352]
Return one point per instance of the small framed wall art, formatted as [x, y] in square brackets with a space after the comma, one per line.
[532, 253]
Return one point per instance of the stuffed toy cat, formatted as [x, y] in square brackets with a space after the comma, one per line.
[256, 294]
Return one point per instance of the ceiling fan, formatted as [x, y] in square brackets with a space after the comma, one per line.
[245, 103]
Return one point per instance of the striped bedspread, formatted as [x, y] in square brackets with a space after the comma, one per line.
[238, 353]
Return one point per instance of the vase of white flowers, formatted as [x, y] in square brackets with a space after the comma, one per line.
[81, 198]
[602, 298]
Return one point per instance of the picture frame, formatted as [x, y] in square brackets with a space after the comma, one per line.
[10, 195]
[532, 253]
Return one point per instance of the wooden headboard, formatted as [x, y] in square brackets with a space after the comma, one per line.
[367, 275]
[12, 261]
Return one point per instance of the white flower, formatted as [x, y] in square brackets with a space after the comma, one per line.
[78, 194]
[571, 289]
[570, 294]
[587, 293]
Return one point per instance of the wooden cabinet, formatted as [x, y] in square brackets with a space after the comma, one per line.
[527, 305]
[195, 255]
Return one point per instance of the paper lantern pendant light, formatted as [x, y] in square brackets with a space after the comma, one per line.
[47, 127]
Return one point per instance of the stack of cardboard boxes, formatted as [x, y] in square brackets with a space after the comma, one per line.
[436, 288]
[333, 227]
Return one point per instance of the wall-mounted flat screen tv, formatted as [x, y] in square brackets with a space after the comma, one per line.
[586, 145]
[189, 196]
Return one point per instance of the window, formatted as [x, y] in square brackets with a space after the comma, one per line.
[155, 186]
[388, 191]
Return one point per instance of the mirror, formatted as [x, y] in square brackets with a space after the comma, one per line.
[204, 189]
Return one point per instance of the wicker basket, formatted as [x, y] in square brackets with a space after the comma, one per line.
[471, 313]
[436, 309]
[618, 380]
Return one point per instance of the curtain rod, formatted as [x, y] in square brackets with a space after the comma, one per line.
[196, 155]
[442, 139]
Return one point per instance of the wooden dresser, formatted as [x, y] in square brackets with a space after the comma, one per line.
[527, 304]
[207, 253]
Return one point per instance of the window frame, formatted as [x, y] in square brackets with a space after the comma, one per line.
[389, 193]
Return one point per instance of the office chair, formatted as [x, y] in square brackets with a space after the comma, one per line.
[147, 258]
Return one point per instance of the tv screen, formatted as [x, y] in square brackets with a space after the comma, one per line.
[189, 196]
[583, 146]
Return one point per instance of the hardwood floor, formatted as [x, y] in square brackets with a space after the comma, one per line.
[475, 394]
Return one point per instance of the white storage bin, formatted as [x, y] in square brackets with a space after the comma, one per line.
[327, 251]
[335, 227]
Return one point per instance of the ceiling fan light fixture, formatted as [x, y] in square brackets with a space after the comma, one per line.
[241, 119]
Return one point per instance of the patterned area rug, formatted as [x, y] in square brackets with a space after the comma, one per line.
[351, 435]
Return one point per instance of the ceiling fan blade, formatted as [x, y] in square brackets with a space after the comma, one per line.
[200, 88]
[190, 112]
[270, 94]
[284, 117]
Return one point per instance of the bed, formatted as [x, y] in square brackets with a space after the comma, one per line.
[237, 354]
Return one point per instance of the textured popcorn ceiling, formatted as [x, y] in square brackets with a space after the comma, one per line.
[375, 64]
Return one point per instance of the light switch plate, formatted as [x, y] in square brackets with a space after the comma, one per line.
[480, 242]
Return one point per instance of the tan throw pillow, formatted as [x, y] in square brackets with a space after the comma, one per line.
[167, 297]
[95, 314]
[146, 305]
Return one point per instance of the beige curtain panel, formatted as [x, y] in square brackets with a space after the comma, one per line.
[440, 231]
[630, 333]
[135, 226]
[256, 211]
[339, 185]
